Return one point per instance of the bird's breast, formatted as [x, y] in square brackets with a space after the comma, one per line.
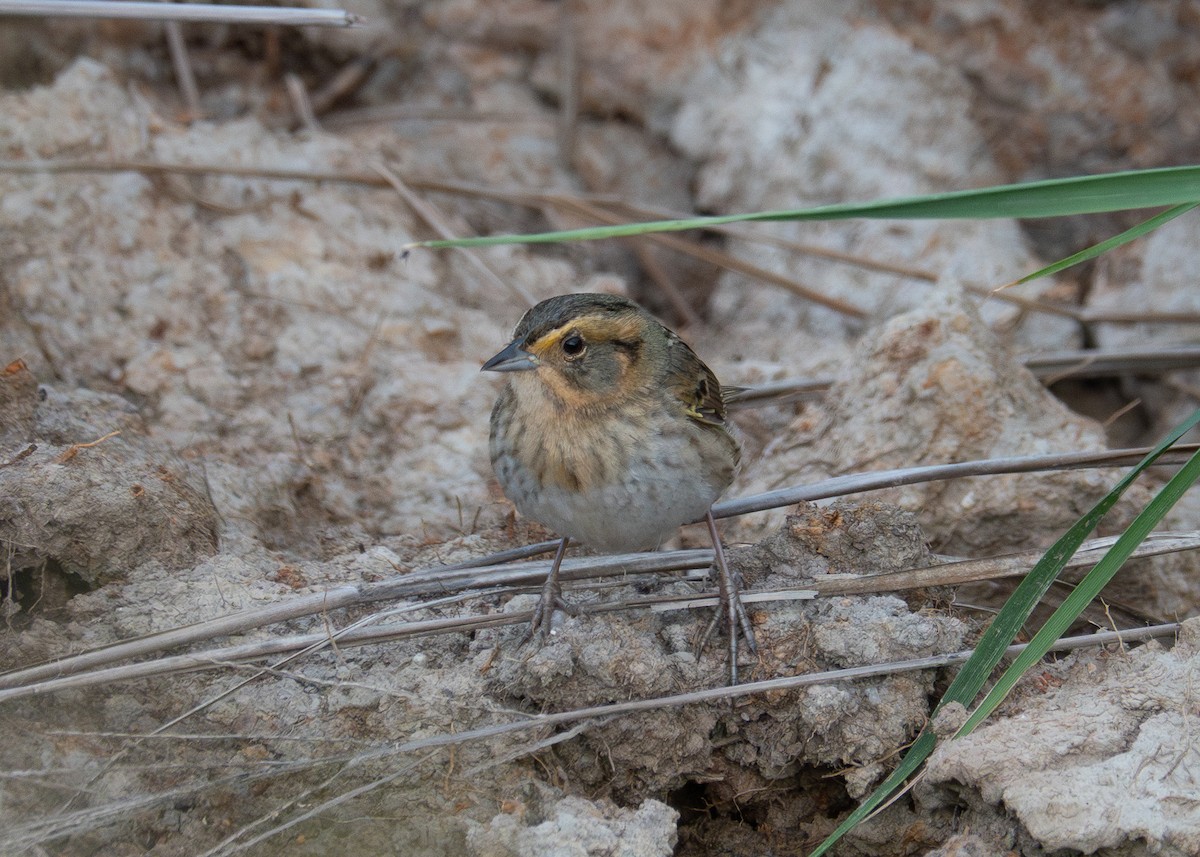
[613, 483]
[583, 455]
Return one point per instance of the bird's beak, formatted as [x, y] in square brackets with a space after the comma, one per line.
[511, 359]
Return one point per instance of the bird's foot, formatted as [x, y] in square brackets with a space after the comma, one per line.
[731, 608]
[731, 613]
[541, 625]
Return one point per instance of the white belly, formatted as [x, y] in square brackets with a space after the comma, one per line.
[637, 513]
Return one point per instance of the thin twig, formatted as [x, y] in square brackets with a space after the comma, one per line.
[297, 92]
[1065, 644]
[568, 83]
[348, 78]
[539, 198]
[122, 165]
[757, 233]
[470, 575]
[1120, 412]
[659, 276]
[1049, 368]
[429, 213]
[391, 113]
[838, 486]
[722, 259]
[202, 12]
[184, 75]
[73, 450]
[1088, 363]
[362, 632]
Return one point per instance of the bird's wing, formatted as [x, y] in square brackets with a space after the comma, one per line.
[694, 384]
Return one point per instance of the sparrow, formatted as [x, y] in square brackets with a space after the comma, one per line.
[611, 432]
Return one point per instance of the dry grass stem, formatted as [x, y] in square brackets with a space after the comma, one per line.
[1102, 638]
[389, 113]
[306, 117]
[838, 486]
[200, 12]
[1059, 365]
[715, 257]
[539, 198]
[73, 450]
[438, 223]
[184, 75]
[365, 632]
[349, 78]
[50, 828]
[568, 85]
[438, 581]
[1050, 368]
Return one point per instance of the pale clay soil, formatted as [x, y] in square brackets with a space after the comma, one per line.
[298, 410]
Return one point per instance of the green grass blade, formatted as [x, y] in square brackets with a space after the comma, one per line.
[1004, 628]
[917, 753]
[1048, 198]
[1087, 590]
[1104, 246]
[1029, 592]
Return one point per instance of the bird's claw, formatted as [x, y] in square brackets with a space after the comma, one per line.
[737, 622]
[731, 607]
[541, 624]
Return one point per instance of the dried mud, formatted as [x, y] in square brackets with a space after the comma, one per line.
[228, 393]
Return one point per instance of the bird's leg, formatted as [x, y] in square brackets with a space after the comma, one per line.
[550, 600]
[731, 602]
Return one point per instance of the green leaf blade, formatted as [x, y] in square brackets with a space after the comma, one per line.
[1104, 246]
[1087, 590]
[1135, 189]
[1012, 616]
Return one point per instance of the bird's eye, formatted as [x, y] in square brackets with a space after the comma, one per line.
[572, 346]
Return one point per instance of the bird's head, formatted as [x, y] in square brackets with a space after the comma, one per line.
[585, 350]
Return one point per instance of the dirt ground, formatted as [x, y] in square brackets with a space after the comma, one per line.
[236, 413]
